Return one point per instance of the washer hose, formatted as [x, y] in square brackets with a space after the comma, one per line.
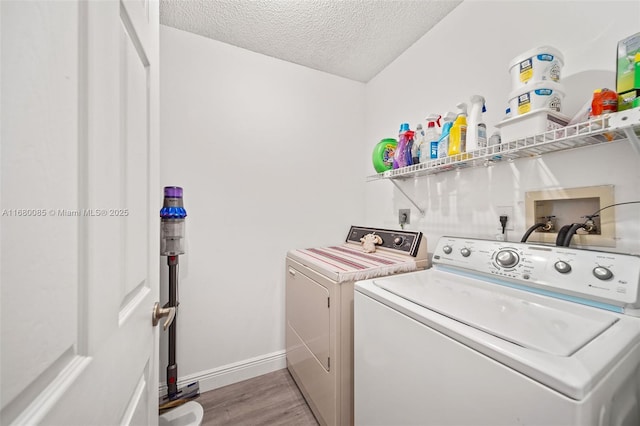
[571, 233]
[530, 230]
[562, 234]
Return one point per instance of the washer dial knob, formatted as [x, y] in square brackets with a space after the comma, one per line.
[602, 273]
[397, 241]
[465, 252]
[447, 249]
[562, 267]
[507, 258]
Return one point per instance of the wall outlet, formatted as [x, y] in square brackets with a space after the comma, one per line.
[404, 216]
[508, 212]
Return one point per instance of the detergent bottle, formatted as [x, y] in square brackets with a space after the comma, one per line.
[429, 150]
[458, 134]
[604, 101]
[383, 154]
[418, 144]
[409, 148]
[476, 128]
[404, 137]
[443, 141]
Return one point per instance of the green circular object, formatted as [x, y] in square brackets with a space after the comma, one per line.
[383, 154]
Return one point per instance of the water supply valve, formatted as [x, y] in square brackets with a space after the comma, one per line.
[590, 225]
[550, 224]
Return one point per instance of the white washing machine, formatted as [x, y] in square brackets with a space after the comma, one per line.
[319, 312]
[499, 333]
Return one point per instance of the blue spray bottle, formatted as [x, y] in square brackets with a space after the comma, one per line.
[443, 142]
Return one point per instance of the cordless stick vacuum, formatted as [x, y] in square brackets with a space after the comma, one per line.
[172, 229]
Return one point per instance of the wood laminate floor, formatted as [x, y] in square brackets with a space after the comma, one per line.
[271, 399]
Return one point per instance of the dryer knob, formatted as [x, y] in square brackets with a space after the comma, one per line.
[507, 258]
[602, 273]
[465, 252]
[398, 241]
[447, 249]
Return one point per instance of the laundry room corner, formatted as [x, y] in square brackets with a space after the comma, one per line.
[264, 150]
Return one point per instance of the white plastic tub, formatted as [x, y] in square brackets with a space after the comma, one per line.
[532, 97]
[533, 123]
[540, 64]
[188, 414]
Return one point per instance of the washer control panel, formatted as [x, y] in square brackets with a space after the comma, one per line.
[611, 278]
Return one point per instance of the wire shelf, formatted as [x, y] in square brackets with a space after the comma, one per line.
[608, 128]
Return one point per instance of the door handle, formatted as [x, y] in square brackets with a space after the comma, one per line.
[159, 312]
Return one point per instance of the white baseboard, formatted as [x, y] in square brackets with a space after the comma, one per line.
[233, 373]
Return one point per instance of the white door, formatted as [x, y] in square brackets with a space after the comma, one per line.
[80, 202]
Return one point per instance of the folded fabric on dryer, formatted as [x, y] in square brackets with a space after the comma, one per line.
[349, 263]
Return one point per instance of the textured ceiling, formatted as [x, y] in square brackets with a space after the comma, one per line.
[355, 39]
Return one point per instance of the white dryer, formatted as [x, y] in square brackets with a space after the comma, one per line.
[500, 333]
[319, 312]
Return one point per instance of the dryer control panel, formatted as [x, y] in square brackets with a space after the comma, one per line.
[406, 242]
[609, 278]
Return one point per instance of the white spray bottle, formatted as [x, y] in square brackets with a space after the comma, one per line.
[429, 150]
[476, 129]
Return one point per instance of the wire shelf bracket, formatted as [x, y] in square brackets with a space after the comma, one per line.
[397, 185]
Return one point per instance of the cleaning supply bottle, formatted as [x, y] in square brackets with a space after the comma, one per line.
[604, 101]
[410, 143]
[458, 134]
[400, 156]
[429, 150]
[443, 141]
[409, 150]
[476, 129]
[418, 144]
[383, 154]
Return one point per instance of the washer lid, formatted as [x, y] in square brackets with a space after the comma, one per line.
[514, 317]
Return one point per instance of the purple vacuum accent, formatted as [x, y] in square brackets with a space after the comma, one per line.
[173, 191]
[172, 206]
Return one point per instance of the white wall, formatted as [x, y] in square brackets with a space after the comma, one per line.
[267, 154]
[468, 53]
